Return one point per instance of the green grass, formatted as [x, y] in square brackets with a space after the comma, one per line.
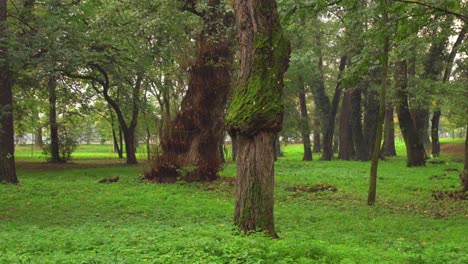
[65, 216]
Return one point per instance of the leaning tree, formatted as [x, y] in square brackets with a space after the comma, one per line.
[255, 115]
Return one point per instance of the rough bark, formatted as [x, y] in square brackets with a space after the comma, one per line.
[305, 128]
[388, 149]
[360, 144]
[256, 111]
[346, 149]
[327, 152]
[191, 141]
[7, 147]
[53, 125]
[415, 153]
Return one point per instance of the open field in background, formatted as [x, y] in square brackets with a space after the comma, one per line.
[63, 215]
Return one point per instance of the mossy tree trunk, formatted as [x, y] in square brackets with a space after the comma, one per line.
[415, 153]
[193, 139]
[7, 147]
[256, 111]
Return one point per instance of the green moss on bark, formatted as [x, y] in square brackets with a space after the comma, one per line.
[257, 104]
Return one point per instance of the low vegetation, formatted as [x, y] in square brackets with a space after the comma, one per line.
[66, 216]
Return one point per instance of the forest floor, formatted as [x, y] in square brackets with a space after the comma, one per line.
[61, 214]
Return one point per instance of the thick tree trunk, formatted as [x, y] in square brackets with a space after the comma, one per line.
[346, 149]
[38, 138]
[360, 143]
[54, 138]
[317, 142]
[305, 128]
[371, 118]
[256, 111]
[388, 149]
[193, 138]
[415, 153]
[255, 183]
[7, 147]
[435, 133]
[327, 152]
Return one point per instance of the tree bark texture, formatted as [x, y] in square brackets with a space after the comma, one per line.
[256, 111]
[435, 133]
[304, 125]
[360, 144]
[192, 140]
[7, 147]
[38, 138]
[415, 153]
[388, 149]
[346, 149]
[54, 138]
[317, 142]
[371, 118]
[327, 151]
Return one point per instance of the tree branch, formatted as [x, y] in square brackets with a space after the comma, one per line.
[458, 15]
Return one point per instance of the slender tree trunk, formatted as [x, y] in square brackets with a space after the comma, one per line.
[193, 137]
[378, 137]
[435, 133]
[277, 147]
[54, 138]
[7, 147]
[305, 128]
[415, 153]
[388, 149]
[317, 142]
[360, 143]
[264, 57]
[371, 118]
[327, 152]
[346, 148]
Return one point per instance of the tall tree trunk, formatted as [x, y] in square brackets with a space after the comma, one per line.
[346, 149]
[448, 70]
[54, 138]
[371, 118]
[360, 143]
[415, 153]
[38, 138]
[256, 111]
[317, 142]
[193, 137]
[388, 149]
[327, 152]
[305, 128]
[7, 146]
[378, 137]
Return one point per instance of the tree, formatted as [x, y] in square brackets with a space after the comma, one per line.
[256, 112]
[191, 142]
[7, 148]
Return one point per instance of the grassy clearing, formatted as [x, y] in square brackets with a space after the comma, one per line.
[65, 216]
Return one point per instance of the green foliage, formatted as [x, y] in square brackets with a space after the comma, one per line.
[65, 216]
[68, 142]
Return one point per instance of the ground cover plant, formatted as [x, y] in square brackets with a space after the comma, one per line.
[61, 214]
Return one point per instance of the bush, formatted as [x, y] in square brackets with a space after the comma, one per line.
[68, 142]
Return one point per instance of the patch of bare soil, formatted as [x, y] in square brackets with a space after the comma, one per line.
[454, 149]
[314, 188]
[78, 164]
